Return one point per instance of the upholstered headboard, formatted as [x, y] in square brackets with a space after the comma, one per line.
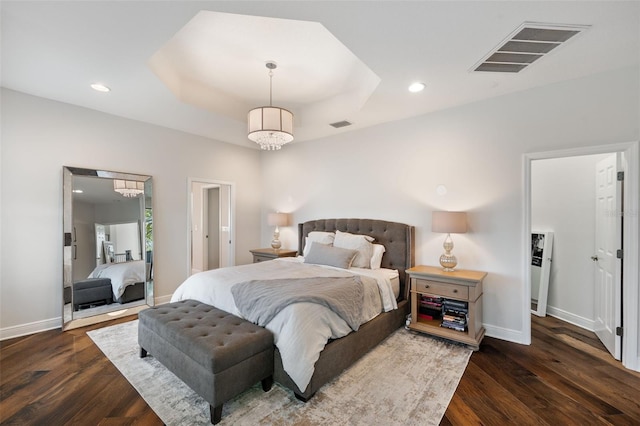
[398, 239]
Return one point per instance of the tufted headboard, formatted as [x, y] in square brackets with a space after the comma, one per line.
[397, 238]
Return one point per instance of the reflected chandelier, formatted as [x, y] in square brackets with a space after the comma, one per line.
[270, 127]
[128, 188]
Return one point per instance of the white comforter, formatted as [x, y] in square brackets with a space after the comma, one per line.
[301, 330]
[121, 274]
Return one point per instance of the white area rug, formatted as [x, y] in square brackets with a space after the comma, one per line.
[408, 379]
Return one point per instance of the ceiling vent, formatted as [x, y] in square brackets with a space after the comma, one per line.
[527, 44]
[339, 124]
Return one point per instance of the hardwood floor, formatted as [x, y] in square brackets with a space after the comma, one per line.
[565, 377]
[62, 378]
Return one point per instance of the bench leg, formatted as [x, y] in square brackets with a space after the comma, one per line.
[216, 414]
[143, 353]
[267, 383]
[302, 398]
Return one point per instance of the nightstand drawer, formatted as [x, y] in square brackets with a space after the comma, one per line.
[442, 289]
[257, 258]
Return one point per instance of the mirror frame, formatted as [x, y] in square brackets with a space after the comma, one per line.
[68, 322]
[544, 261]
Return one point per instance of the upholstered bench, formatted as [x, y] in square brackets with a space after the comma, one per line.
[92, 291]
[215, 353]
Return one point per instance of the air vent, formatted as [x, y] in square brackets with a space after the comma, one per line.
[339, 124]
[527, 44]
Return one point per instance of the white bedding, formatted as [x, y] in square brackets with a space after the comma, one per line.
[121, 274]
[301, 330]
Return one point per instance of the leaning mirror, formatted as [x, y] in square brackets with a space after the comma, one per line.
[108, 245]
[541, 249]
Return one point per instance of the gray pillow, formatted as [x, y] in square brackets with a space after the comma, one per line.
[322, 254]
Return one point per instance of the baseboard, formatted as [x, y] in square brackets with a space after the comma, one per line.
[508, 334]
[574, 319]
[50, 324]
[30, 328]
[162, 300]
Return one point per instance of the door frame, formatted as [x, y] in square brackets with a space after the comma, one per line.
[232, 217]
[631, 227]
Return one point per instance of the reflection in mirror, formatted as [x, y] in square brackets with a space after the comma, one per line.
[541, 249]
[108, 245]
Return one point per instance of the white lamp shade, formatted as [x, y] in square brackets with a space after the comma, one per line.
[265, 121]
[278, 219]
[449, 222]
[128, 188]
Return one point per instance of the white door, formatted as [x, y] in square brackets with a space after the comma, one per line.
[608, 297]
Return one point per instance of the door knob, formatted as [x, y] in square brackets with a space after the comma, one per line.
[594, 258]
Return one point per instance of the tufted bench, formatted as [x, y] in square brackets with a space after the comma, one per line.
[92, 291]
[217, 354]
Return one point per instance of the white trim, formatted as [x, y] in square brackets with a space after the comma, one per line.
[29, 328]
[507, 334]
[574, 319]
[162, 300]
[631, 276]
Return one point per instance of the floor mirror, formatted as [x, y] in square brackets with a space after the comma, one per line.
[541, 249]
[108, 245]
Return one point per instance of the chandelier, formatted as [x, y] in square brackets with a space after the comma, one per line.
[270, 127]
[128, 188]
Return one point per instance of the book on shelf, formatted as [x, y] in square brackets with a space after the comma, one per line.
[455, 304]
[433, 313]
[453, 326]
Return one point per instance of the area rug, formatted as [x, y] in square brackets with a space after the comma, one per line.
[408, 379]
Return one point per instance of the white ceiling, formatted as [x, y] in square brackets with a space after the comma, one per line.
[57, 49]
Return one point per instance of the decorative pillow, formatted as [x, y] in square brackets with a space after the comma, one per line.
[376, 258]
[318, 237]
[323, 254]
[361, 243]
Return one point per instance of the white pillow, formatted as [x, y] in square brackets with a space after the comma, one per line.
[376, 258]
[325, 238]
[360, 243]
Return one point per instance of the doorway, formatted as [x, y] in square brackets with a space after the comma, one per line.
[629, 290]
[211, 236]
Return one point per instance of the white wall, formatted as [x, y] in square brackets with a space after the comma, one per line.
[40, 136]
[391, 172]
[563, 201]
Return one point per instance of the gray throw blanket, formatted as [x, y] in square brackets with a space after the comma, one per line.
[261, 300]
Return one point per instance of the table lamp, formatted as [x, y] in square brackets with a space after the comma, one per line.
[449, 223]
[277, 219]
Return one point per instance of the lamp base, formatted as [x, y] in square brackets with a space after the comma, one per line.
[275, 244]
[448, 262]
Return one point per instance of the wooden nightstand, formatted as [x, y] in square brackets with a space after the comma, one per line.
[457, 295]
[260, 255]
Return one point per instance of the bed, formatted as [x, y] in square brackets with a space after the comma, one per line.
[127, 279]
[342, 345]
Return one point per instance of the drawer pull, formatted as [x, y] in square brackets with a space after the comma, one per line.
[455, 290]
[426, 286]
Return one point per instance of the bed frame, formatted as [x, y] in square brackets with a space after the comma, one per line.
[339, 354]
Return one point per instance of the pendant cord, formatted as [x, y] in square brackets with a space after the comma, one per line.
[270, 87]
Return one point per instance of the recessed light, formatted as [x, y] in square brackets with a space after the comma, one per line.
[100, 87]
[77, 191]
[416, 87]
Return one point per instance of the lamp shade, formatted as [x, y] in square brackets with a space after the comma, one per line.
[278, 219]
[449, 222]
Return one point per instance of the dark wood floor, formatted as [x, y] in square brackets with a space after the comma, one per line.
[565, 377]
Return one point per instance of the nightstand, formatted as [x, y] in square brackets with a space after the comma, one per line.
[447, 304]
[263, 254]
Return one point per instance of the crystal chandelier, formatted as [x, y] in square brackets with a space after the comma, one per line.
[270, 127]
[128, 188]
